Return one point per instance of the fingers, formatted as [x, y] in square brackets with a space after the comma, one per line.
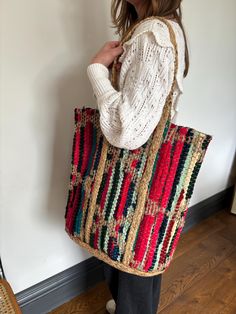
[116, 47]
[114, 43]
[117, 51]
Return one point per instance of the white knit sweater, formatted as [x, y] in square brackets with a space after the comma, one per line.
[129, 115]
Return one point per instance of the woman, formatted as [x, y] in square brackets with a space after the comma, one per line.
[128, 116]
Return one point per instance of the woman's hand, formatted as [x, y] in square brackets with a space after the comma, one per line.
[108, 53]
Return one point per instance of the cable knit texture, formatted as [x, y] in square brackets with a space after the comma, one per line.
[129, 115]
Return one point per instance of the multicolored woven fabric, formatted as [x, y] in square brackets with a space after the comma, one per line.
[107, 184]
[128, 207]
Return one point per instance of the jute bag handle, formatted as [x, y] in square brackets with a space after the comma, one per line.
[128, 35]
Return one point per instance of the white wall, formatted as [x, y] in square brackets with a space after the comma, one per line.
[45, 49]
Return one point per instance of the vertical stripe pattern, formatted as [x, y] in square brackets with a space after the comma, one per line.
[106, 183]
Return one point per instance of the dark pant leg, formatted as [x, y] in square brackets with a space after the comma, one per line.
[157, 279]
[133, 294]
[111, 277]
[137, 294]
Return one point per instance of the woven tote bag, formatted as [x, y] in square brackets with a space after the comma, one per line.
[128, 207]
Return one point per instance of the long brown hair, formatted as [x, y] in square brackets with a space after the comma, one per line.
[127, 16]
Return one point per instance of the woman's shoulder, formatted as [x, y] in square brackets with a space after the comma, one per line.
[161, 37]
[160, 31]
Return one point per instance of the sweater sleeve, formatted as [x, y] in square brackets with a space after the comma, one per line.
[129, 116]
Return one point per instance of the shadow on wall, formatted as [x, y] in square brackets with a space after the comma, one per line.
[60, 87]
[232, 176]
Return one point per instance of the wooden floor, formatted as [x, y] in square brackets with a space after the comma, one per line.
[200, 279]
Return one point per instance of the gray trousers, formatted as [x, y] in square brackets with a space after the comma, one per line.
[133, 294]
